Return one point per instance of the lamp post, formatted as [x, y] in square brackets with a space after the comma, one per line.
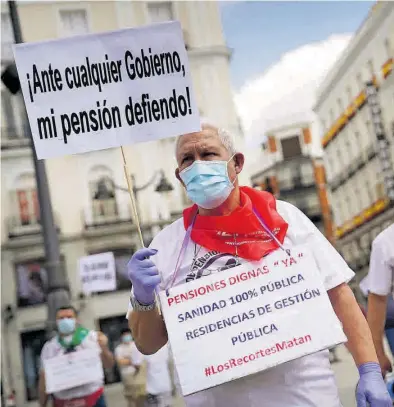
[162, 186]
[58, 290]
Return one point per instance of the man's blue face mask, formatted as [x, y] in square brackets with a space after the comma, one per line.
[207, 183]
[66, 326]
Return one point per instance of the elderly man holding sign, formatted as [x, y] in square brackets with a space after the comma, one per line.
[248, 287]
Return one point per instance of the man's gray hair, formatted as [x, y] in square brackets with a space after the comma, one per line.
[225, 137]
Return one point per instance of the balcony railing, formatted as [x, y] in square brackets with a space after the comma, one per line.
[105, 213]
[355, 165]
[296, 181]
[13, 137]
[19, 227]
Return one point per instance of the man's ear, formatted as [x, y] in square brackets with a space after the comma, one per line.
[239, 161]
[178, 177]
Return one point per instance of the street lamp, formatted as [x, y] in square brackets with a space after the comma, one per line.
[105, 184]
[163, 185]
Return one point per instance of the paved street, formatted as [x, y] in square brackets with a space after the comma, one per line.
[346, 376]
[345, 371]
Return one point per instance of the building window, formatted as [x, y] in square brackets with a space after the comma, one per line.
[348, 148]
[7, 38]
[332, 116]
[371, 70]
[360, 81]
[32, 283]
[357, 144]
[24, 202]
[29, 210]
[338, 218]
[291, 147]
[347, 208]
[339, 159]
[387, 47]
[349, 94]
[340, 105]
[160, 11]
[73, 22]
[32, 344]
[112, 328]
[370, 192]
[103, 200]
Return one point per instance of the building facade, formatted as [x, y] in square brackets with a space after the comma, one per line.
[91, 216]
[358, 139]
[290, 167]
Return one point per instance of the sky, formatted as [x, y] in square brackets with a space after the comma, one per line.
[283, 50]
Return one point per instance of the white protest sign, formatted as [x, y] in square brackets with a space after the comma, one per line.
[98, 273]
[72, 369]
[248, 319]
[106, 90]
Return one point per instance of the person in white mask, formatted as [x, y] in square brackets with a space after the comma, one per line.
[130, 361]
[230, 225]
[72, 337]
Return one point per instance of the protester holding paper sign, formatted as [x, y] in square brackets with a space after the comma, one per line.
[75, 341]
[229, 226]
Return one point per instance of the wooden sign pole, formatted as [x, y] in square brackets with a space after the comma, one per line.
[135, 211]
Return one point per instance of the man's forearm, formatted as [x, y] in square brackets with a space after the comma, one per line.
[355, 326]
[42, 395]
[149, 331]
[107, 358]
[376, 316]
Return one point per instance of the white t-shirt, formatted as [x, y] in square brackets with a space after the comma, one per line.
[381, 266]
[53, 348]
[305, 382]
[129, 350]
[158, 379]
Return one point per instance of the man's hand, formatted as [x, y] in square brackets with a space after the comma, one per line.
[102, 340]
[371, 387]
[143, 275]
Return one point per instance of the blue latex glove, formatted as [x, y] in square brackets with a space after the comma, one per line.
[371, 387]
[143, 275]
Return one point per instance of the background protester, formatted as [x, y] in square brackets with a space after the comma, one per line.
[72, 337]
[130, 362]
[220, 226]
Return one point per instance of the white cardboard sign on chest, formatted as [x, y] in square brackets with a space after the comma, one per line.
[98, 272]
[106, 90]
[247, 319]
[72, 370]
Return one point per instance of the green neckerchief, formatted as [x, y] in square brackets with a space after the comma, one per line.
[79, 335]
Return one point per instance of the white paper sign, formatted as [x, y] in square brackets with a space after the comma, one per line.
[248, 319]
[72, 369]
[106, 90]
[98, 273]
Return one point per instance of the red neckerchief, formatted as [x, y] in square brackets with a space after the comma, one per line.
[240, 233]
